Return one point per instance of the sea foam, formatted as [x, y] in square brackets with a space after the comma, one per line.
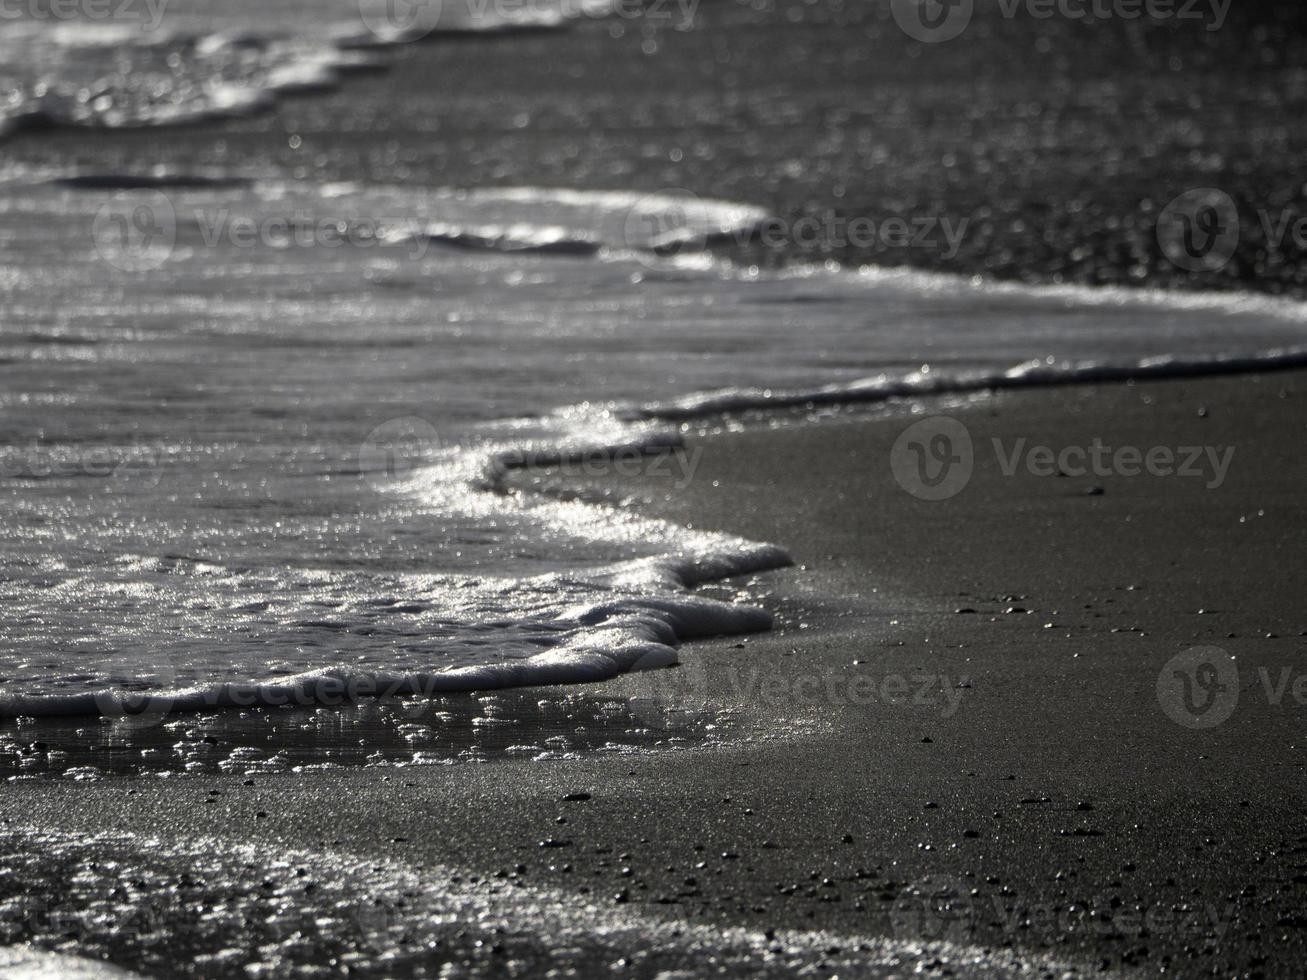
[184, 61]
[282, 474]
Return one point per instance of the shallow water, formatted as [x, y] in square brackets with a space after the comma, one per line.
[258, 412]
[255, 424]
[393, 733]
[146, 63]
[254, 434]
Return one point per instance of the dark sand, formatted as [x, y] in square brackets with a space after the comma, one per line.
[1087, 822]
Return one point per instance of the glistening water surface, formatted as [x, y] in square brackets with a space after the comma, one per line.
[255, 421]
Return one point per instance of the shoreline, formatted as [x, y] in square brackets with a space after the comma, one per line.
[420, 103]
[1125, 839]
[332, 378]
[665, 620]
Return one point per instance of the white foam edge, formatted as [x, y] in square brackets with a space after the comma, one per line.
[642, 632]
[1233, 302]
[614, 637]
[916, 384]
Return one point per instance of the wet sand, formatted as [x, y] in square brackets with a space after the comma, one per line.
[903, 768]
[892, 767]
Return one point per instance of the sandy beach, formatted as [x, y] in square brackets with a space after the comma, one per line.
[288, 296]
[954, 733]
